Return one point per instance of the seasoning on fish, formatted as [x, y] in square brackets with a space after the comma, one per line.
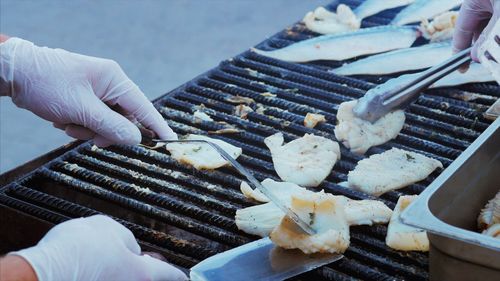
[390, 170]
[202, 156]
[305, 161]
[312, 119]
[399, 60]
[347, 45]
[403, 237]
[359, 135]
[424, 9]
[325, 213]
[440, 28]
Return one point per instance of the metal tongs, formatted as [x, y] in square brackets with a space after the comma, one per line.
[305, 227]
[400, 92]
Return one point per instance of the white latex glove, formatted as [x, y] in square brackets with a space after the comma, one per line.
[94, 248]
[489, 52]
[74, 92]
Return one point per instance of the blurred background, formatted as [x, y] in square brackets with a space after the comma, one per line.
[159, 44]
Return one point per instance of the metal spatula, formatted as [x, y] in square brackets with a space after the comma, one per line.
[258, 260]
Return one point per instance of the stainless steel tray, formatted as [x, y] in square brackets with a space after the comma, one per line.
[449, 207]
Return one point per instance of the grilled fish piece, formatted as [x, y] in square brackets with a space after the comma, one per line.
[325, 22]
[399, 60]
[347, 45]
[202, 156]
[325, 213]
[424, 9]
[262, 219]
[359, 135]
[306, 161]
[283, 190]
[312, 119]
[440, 28]
[403, 237]
[344, 19]
[490, 214]
[390, 170]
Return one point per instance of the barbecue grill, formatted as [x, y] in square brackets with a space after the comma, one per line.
[188, 215]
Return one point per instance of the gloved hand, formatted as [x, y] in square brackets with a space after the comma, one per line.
[94, 248]
[76, 92]
[475, 21]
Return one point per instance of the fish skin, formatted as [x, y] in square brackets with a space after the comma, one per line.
[399, 60]
[342, 46]
[372, 7]
[424, 9]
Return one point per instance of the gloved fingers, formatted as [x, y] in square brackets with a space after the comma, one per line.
[79, 132]
[486, 31]
[135, 103]
[469, 19]
[159, 270]
[110, 127]
[59, 126]
[109, 226]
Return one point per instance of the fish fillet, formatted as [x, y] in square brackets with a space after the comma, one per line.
[305, 161]
[367, 212]
[403, 237]
[312, 119]
[490, 214]
[399, 60]
[325, 213]
[359, 135]
[262, 219]
[424, 9]
[325, 22]
[282, 190]
[347, 45]
[202, 156]
[390, 170]
[439, 28]
[372, 7]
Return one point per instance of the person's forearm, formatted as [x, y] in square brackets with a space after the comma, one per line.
[15, 268]
[3, 38]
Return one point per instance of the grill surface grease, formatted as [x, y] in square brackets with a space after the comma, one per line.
[189, 214]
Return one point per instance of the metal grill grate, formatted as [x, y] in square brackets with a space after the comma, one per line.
[190, 214]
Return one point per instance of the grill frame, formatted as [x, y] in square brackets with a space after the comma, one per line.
[27, 192]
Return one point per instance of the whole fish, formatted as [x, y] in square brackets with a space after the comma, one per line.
[399, 60]
[372, 7]
[424, 9]
[347, 45]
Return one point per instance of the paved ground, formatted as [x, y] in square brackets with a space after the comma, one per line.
[159, 44]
